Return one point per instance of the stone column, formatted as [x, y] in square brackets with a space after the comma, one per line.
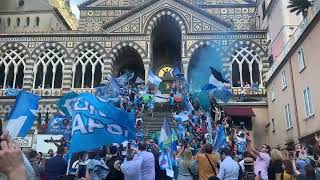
[185, 65]
[261, 74]
[240, 69]
[146, 72]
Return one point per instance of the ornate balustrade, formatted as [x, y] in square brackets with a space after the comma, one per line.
[249, 92]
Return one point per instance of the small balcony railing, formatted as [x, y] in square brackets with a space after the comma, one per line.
[249, 91]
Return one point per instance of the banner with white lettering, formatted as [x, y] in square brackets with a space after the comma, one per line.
[97, 123]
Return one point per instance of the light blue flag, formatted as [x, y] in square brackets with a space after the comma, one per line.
[97, 123]
[154, 79]
[23, 114]
[66, 103]
[187, 105]
[165, 161]
[220, 140]
[165, 138]
[59, 124]
[13, 92]
[107, 93]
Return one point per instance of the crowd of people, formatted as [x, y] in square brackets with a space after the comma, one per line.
[198, 154]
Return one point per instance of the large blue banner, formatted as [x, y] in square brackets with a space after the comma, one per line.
[97, 123]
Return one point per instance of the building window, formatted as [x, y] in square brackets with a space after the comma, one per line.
[308, 101]
[302, 65]
[37, 21]
[27, 21]
[284, 79]
[8, 21]
[246, 68]
[288, 116]
[48, 70]
[12, 67]
[18, 22]
[273, 125]
[273, 96]
[87, 68]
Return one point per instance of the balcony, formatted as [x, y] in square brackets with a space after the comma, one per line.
[47, 92]
[248, 91]
[313, 11]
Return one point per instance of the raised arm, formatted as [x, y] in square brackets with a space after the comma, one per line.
[251, 148]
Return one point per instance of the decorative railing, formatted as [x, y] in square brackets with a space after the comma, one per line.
[47, 92]
[84, 90]
[313, 11]
[249, 91]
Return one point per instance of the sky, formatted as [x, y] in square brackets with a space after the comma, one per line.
[74, 7]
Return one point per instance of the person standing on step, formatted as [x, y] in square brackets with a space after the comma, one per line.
[150, 105]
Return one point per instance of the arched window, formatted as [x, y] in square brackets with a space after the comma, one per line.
[87, 68]
[18, 22]
[246, 67]
[12, 65]
[8, 21]
[37, 21]
[27, 21]
[48, 70]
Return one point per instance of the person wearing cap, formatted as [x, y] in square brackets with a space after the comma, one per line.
[131, 167]
[114, 173]
[229, 168]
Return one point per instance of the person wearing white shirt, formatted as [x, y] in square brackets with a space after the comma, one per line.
[229, 168]
[148, 164]
[131, 167]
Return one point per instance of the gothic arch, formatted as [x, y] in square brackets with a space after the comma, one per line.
[86, 58]
[156, 17]
[249, 59]
[254, 45]
[201, 43]
[35, 53]
[13, 65]
[115, 51]
[49, 61]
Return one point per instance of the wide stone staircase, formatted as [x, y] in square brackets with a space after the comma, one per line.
[154, 124]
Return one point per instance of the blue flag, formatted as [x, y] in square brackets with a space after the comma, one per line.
[208, 87]
[177, 73]
[165, 138]
[59, 124]
[97, 123]
[13, 92]
[154, 79]
[66, 103]
[23, 114]
[107, 93]
[223, 94]
[220, 140]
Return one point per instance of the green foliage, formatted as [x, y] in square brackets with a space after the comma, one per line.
[299, 6]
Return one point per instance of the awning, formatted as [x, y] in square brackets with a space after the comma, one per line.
[239, 111]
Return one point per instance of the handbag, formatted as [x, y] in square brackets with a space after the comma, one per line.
[214, 177]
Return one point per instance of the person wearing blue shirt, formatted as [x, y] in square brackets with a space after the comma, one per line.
[56, 166]
[229, 168]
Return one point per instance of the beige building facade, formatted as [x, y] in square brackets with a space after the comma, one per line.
[292, 85]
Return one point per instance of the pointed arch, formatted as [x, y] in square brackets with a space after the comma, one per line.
[115, 51]
[13, 65]
[247, 54]
[88, 63]
[49, 61]
[153, 20]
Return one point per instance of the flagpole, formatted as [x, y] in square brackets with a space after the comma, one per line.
[69, 162]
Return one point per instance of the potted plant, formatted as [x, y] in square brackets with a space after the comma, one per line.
[299, 6]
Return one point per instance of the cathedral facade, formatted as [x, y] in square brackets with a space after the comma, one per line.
[140, 35]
